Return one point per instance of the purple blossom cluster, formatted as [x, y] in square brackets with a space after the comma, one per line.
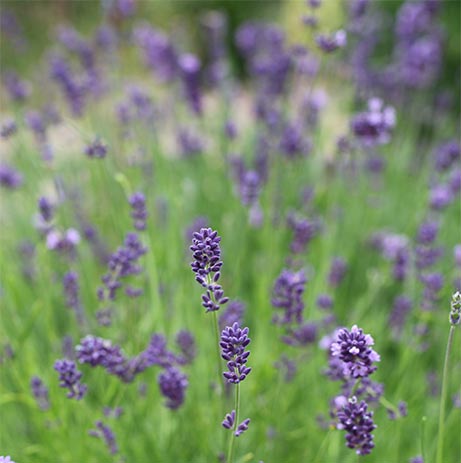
[122, 263]
[354, 349]
[99, 352]
[288, 296]
[357, 421]
[40, 393]
[374, 126]
[97, 149]
[69, 378]
[10, 177]
[138, 210]
[233, 343]
[103, 431]
[229, 423]
[332, 42]
[206, 251]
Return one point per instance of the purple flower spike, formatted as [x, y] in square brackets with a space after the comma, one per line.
[189, 66]
[287, 295]
[105, 432]
[330, 43]
[353, 349]
[374, 126]
[138, 213]
[229, 423]
[359, 425]
[69, 378]
[40, 392]
[96, 149]
[99, 352]
[9, 177]
[173, 386]
[207, 267]
[233, 342]
[337, 271]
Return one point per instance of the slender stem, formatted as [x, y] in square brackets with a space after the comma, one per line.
[443, 397]
[230, 453]
[218, 355]
[423, 447]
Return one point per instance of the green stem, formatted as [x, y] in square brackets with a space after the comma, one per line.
[218, 355]
[423, 427]
[443, 398]
[230, 453]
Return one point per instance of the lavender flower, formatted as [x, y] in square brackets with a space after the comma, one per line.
[417, 459]
[10, 177]
[359, 425]
[229, 423]
[304, 230]
[122, 263]
[186, 343]
[105, 432]
[40, 392]
[233, 342]
[337, 271]
[447, 154]
[374, 127]
[189, 66]
[8, 128]
[6, 459]
[96, 149]
[190, 143]
[207, 267]
[330, 43]
[17, 89]
[157, 352]
[71, 291]
[242, 427]
[69, 378]
[229, 420]
[99, 352]
[353, 349]
[138, 213]
[440, 196]
[173, 386]
[46, 209]
[287, 295]
[324, 301]
[63, 242]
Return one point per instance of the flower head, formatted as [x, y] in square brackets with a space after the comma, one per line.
[233, 342]
[353, 349]
[69, 378]
[173, 384]
[359, 425]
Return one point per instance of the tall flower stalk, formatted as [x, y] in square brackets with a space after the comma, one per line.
[206, 251]
[234, 341]
[455, 319]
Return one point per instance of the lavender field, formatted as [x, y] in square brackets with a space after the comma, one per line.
[230, 232]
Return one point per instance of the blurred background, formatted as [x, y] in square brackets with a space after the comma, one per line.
[28, 27]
